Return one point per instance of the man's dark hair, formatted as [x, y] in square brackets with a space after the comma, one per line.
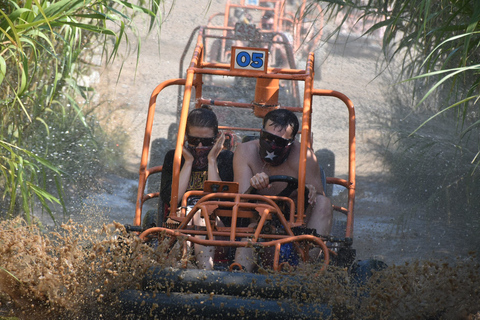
[202, 117]
[282, 118]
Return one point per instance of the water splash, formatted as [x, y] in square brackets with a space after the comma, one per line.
[71, 272]
[76, 272]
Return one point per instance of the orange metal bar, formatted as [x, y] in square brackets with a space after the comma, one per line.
[198, 80]
[223, 28]
[261, 223]
[226, 103]
[183, 123]
[234, 219]
[222, 103]
[227, 15]
[338, 181]
[143, 173]
[225, 243]
[274, 73]
[305, 140]
[241, 233]
[350, 184]
[244, 201]
[340, 209]
[208, 226]
[276, 256]
[224, 197]
[270, 70]
[225, 32]
[150, 196]
[148, 172]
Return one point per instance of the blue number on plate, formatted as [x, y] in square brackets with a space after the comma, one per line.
[257, 61]
[244, 59]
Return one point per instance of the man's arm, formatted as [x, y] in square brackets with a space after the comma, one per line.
[241, 168]
[313, 176]
[320, 214]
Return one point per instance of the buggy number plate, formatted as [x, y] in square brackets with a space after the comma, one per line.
[254, 59]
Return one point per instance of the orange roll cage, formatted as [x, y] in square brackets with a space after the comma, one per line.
[239, 203]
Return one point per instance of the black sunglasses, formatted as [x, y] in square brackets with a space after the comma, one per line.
[195, 141]
[270, 137]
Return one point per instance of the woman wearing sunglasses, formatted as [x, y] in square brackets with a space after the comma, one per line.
[203, 158]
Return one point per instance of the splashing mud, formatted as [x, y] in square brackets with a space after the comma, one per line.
[78, 272]
[71, 272]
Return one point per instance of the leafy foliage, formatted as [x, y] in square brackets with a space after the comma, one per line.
[45, 111]
[437, 46]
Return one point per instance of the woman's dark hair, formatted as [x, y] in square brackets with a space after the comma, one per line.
[282, 118]
[202, 117]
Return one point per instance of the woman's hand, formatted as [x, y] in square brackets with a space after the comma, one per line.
[217, 148]
[187, 156]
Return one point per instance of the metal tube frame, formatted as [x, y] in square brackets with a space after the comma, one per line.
[194, 79]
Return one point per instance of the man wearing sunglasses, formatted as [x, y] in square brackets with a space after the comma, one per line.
[203, 158]
[278, 153]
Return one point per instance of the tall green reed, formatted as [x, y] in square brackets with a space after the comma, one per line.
[46, 114]
[436, 46]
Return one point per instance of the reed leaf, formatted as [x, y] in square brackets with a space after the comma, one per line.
[3, 69]
[436, 45]
[41, 46]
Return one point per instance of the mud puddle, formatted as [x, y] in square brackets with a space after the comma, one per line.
[75, 271]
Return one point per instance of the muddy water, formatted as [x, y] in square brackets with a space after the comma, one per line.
[70, 272]
[77, 272]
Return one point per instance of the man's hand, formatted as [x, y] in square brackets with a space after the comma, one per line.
[312, 194]
[260, 181]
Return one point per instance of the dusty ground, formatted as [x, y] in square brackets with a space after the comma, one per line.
[349, 67]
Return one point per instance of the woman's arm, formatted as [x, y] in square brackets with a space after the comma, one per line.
[185, 173]
[167, 175]
[213, 173]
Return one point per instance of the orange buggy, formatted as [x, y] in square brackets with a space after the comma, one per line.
[212, 294]
[301, 21]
